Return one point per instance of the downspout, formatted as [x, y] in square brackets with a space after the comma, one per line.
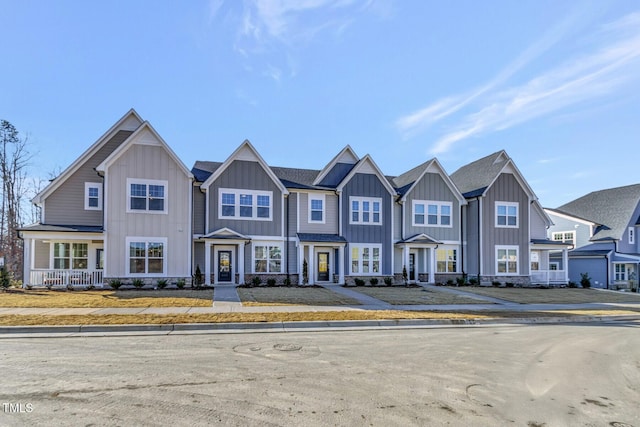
[464, 275]
[606, 258]
[287, 239]
[479, 235]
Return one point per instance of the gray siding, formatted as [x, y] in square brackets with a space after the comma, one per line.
[199, 210]
[330, 225]
[583, 231]
[292, 254]
[65, 206]
[624, 245]
[246, 175]
[198, 256]
[368, 185]
[472, 237]
[42, 253]
[595, 267]
[293, 213]
[538, 225]
[432, 187]
[505, 189]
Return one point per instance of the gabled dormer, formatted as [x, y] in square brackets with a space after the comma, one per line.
[337, 169]
[75, 197]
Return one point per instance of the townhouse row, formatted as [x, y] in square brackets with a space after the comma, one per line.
[129, 208]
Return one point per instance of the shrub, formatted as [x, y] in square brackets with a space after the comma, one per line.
[509, 284]
[70, 288]
[585, 280]
[180, 283]
[473, 281]
[197, 277]
[256, 281]
[162, 283]
[495, 283]
[405, 276]
[388, 281]
[461, 281]
[271, 282]
[138, 283]
[373, 281]
[5, 278]
[305, 272]
[115, 284]
[287, 281]
[572, 284]
[358, 281]
[450, 282]
[90, 287]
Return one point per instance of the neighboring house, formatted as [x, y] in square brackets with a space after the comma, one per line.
[428, 225]
[602, 226]
[121, 211]
[505, 225]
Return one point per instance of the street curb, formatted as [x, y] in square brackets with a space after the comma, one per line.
[257, 327]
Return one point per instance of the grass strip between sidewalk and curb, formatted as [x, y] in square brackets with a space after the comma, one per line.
[148, 319]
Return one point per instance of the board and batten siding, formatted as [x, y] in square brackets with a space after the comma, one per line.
[246, 175]
[538, 225]
[433, 188]
[293, 213]
[472, 237]
[199, 210]
[505, 189]
[330, 225]
[368, 185]
[65, 206]
[142, 161]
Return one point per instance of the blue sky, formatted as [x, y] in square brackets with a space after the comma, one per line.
[555, 84]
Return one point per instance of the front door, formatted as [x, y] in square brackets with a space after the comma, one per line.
[224, 266]
[323, 266]
[412, 266]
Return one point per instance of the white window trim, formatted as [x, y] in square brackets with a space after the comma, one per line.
[624, 272]
[446, 248]
[426, 204]
[562, 233]
[254, 204]
[87, 186]
[371, 200]
[507, 204]
[146, 240]
[322, 198]
[267, 245]
[71, 258]
[631, 232]
[360, 247]
[148, 182]
[554, 263]
[507, 273]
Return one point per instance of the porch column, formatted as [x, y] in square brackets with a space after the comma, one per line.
[405, 259]
[28, 261]
[434, 266]
[300, 263]
[207, 263]
[565, 264]
[341, 265]
[425, 263]
[311, 266]
[240, 262]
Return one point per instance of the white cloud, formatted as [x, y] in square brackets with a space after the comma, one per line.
[596, 73]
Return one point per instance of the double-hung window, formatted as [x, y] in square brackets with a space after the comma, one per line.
[146, 256]
[70, 256]
[428, 213]
[506, 260]
[149, 196]
[365, 259]
[632, 235]
[507, 214]
[365, 210]
[564, 236]
[316, 208]
[620, 272]
[446, 260]
[245, 204]
[92, 196]
[267, 258]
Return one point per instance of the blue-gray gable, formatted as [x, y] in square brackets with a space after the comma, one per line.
[336, 174]
[246, 175]
[368, 185]
[563, 224]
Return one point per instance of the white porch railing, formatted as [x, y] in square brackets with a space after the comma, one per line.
[65, 277]
[548, 276]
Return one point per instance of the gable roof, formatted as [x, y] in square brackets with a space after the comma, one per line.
[129, 122]
[245, 151]
[362, 163]
[611, 208]
[346, 155]
[407, 181]
[476, 177]
[145, 126]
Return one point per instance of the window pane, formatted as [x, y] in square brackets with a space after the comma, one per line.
[246, 199]
[445, 220]
[136, 265]
[432, 219]
[260, 252]
[316, 205]
[261, 266]
[511, 220]
[228, 199]
[155, 250]
[502, 220]
[79, 250]
[376, 217]
[138, 203]
[246, 212]
[354, 260]
[316, 215]
[156, 204]
[419, 219]
[502, 210]
[274, 252]
[155, 265]
[354, 217]
[156, 191]
[432, 209]
[93, 202]
[263, 201]
[445, 210]
[274, 266]
[228, 211]
[365, 206]
[419, 209]
[93, 192]
[376, 206]
[502, 254]
[512, 210]
[365, 216]
[355, 205]
[61, 250]
[138, 190]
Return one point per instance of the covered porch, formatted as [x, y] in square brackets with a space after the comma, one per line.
[224, 257]
[549, 261]
[625, 271]
[418, 257]
[63, 255]
[324, 254]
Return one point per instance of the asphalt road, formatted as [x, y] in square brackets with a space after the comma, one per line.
[551, 375]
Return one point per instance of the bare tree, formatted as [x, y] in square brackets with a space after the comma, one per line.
[14, 159]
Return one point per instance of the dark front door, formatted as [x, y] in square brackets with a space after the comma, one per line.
[412, 266]
[224, 266]
[323, 266]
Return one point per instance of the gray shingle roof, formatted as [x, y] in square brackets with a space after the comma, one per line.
[321, 238]
[64, 228]
[613, 208]
[473, 178]
[404, 181]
